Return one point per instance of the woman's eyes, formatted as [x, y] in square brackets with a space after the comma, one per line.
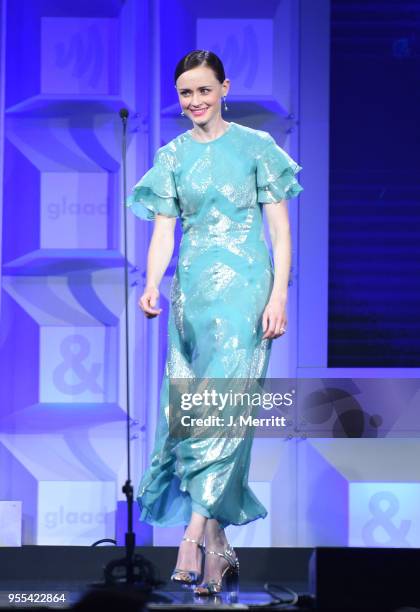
[205, 90]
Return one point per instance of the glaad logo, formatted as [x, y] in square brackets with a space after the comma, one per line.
[61, 517]
[56, 209]
[74, 350]
[84, 54]
[240, 59]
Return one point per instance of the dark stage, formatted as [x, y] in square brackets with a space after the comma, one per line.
[325, 578]
[72, 569]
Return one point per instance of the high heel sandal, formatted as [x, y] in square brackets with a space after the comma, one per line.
[230, 574]
[189, 577]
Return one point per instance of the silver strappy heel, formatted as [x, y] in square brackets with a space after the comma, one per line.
[188, 577]
[230, 574]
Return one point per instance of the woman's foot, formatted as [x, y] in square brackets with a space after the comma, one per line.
[189, 560]
[220, 564]
[220, 560]
[190, 553]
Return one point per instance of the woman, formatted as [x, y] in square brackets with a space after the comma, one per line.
[227, 305]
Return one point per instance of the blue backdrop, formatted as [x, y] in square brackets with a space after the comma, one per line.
[336, 84]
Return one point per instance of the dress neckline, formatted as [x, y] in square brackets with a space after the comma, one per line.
[205, 142]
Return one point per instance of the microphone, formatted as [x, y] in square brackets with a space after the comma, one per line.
[124, 113]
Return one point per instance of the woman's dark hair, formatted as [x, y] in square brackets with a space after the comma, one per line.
[201, 58]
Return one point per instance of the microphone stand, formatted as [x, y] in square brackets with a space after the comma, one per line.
[133, 568]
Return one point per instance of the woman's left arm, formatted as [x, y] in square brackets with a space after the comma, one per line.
[274, 316]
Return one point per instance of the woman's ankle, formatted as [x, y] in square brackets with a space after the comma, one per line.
[216, 540]
[198, 536]
[196, 529]
[215, 535]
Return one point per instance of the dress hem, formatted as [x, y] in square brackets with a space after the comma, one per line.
[145, 516]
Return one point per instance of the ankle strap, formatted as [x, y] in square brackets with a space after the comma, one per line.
[192, 540]
[227, 553]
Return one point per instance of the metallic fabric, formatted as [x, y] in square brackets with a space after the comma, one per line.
[221, 285]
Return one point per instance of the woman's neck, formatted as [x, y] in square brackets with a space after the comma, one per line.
[210, 130]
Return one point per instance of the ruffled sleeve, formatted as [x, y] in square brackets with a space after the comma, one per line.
[155, 193]
[276, 172]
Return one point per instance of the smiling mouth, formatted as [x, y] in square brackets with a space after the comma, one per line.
[198, 111]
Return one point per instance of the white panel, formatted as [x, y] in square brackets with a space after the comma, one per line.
[72, 364]
[75, 513]
[10, 523]
[384, 514]
[74, 210]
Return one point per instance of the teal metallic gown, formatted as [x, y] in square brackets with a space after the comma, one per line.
[220, 288]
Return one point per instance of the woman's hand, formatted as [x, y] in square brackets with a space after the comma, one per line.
[148, 300]
[274, 318]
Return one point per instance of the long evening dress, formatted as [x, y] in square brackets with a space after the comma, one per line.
[220, 288]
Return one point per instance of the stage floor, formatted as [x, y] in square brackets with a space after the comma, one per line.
[248, 596]
[74, 569]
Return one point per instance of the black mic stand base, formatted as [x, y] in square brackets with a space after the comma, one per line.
[134, 571]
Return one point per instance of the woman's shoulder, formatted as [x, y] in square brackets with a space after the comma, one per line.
[258, 138]
[168, 153]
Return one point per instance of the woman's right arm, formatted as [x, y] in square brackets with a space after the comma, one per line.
[159, 256]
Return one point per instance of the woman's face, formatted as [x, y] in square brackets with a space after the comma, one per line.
[200, 94]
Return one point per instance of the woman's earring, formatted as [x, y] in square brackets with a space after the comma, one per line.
[226, 106]
[182, 113]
